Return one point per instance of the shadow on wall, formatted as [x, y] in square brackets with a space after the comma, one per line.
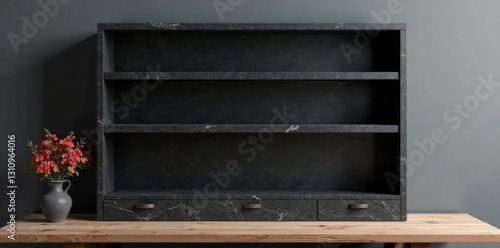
[69, 103]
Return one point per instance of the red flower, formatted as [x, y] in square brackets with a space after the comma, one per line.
[57, 159]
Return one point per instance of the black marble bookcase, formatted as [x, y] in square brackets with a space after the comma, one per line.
[251, 121]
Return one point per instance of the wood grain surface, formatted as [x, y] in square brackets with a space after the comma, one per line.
[420, 228]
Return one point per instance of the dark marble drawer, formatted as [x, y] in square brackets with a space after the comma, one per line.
[376, 210]
[143, 210]
[268, 210]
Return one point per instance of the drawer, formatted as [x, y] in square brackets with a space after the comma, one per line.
[144, 210]
[359, 210]
[252, 210]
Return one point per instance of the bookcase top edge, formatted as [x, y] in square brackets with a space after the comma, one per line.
[248, 26]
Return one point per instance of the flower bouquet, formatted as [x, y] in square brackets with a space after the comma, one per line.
[55, 160]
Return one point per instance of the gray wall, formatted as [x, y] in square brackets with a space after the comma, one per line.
[50, 82]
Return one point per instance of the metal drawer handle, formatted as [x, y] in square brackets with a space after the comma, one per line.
[358, 206]
[145, 206]
[252, 206]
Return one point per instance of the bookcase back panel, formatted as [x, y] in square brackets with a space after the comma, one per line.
[253, 51]
[256, 102]
[265, 161]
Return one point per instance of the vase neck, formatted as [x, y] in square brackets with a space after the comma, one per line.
[56, 186]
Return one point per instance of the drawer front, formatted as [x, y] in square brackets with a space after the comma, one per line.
[252, 210]
[359, 210]
[144, 210]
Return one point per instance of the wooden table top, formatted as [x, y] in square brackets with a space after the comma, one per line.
[83, 228]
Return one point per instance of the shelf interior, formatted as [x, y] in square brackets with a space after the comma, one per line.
[313, 162]
[252, 51]
[255, 102]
